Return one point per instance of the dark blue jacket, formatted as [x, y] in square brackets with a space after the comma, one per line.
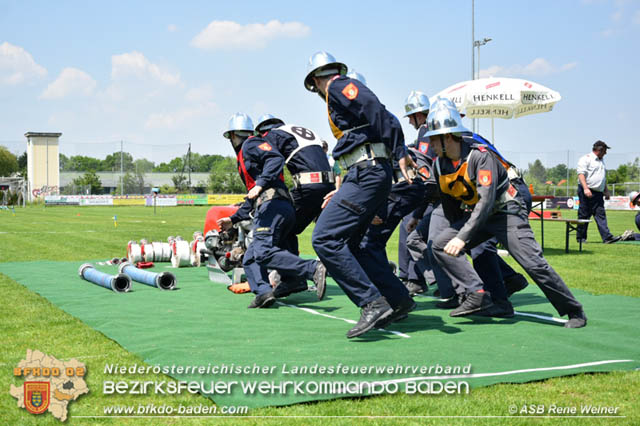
[308, 159]
[351, 105]
[259, 163]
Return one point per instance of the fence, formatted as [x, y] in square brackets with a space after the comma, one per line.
[128, 168]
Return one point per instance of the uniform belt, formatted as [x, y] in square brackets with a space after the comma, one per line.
[399, 177]
[305, 178]
[364, 155]
[270, 194]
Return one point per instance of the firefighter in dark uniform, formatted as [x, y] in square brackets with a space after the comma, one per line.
[418, 272]
[480, 202]
[312, 179]
[260, 167]
[368, 137]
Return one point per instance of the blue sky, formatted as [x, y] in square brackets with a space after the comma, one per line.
[168, 73]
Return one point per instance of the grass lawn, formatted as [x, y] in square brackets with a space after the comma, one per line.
[29, 321]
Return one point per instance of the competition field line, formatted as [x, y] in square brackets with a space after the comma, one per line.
[314, 312]
[524, 314]
[511, 372]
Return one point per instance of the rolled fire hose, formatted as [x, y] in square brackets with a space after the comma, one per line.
[148, 252]
[120, 283]
[162, 280]
[196, 246]
[180, 253]
[134, 252]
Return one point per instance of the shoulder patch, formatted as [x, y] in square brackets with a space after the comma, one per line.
[423, 147]
[350, 91]
[265, 146]
[484, 177]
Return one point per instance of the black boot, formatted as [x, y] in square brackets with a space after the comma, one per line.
[285, 288]
[370, 314]
[452, 302]
[320, 280]
[515, 284]
[474, 302]
[415, 287]
[400, 312]
[576, 320]
[263, 300]
[500, 309]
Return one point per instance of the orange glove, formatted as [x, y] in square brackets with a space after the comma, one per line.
[239, 288]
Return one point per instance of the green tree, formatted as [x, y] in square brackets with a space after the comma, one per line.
[111, 163]
[22, 164]
[537, 171]
[180, 182]
[8, 162]
[91, 180]
[82, 163]
[133, 184]
[224, 177]
[142, 165]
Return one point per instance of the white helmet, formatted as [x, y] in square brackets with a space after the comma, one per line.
[634, 197]
[444, 118]
[267, 122]
[357, 76]
[321, 64]
[416, 102]
[239, 122]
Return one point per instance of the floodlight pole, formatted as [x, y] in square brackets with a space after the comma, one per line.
[473, 38]
[477, 44]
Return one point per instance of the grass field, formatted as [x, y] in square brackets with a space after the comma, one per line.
[29, 321]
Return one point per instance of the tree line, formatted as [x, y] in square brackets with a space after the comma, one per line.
[223, 174]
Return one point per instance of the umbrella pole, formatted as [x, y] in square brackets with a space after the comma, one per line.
[493, 141]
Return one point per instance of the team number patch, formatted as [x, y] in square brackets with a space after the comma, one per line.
[484, 177]
[265, 146]
[350, 91]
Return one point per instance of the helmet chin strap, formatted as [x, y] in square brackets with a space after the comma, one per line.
[444, 148]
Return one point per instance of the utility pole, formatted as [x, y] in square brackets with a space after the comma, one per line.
[121, 169]
[189, 161]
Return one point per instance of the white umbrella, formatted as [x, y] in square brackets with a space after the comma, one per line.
[500, 97]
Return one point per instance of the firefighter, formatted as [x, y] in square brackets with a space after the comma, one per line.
[480, 202]
[417, 273]
[368, 137]
[260, 167]
[312, 176]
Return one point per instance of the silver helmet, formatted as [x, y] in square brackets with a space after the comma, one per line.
[267, 122]
[416, 102]
[321, 64]
[444, 118]
[357, 76]
[634, 197]
[239, 122]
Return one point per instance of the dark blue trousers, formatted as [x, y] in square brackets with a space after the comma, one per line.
[307, 202]
[403, 199]
[593, 206]
[273, 222]
[340, 229]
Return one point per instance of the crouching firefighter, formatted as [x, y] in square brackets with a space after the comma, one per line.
[480, 202]
[312, 179]
[260, 167]
[368, 137]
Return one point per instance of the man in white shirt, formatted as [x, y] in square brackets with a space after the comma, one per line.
[592, 191]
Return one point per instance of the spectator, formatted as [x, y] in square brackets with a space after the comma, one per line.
[629, 235]
[592, 191]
